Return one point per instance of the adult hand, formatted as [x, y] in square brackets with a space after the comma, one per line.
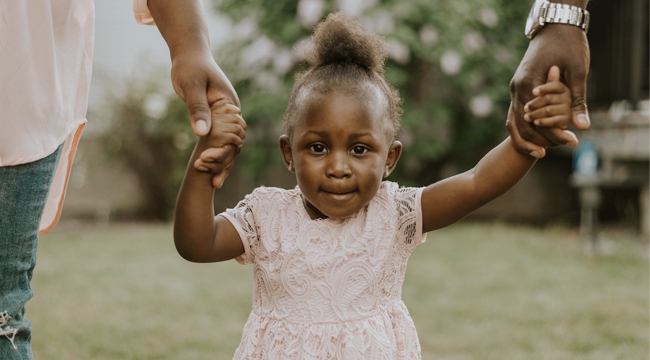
[198, 80]
[196, 77]
[556, 44]
[221, 146]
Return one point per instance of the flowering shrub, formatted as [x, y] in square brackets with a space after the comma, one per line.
[452, 61]
[150, 133]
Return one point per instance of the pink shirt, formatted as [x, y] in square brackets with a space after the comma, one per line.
[46, 55]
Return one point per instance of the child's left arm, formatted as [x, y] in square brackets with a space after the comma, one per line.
[449, 200]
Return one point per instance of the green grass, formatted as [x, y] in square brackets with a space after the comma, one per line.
[475, 291]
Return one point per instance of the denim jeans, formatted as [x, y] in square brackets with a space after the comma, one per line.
[23, 193]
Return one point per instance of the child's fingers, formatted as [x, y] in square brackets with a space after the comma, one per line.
[220, 178]
[235, 119]
[553, 74]
[547, 100]
[224, 107]
[554, 87]
[562, 112]
[227, 133]
[558, 121]
[219, 155]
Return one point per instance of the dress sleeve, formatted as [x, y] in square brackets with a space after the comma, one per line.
[243, 218]
[409, 210]
[142, 13]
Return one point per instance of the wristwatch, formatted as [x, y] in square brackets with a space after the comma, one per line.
[545, 12]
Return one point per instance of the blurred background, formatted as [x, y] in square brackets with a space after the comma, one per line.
[519, 280]
[451, 61]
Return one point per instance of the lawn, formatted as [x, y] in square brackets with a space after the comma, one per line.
[475, 291]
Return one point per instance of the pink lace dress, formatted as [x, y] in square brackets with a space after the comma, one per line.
[328, 289]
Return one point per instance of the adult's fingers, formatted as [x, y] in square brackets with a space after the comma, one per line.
[560, 136]
[518, 141]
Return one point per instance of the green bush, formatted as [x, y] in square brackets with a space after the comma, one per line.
[451, 60]
[150, 134]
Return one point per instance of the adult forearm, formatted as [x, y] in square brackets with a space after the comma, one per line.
[182, 25]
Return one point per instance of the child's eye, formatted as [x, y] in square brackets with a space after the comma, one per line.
[317, 148]
[359, 150]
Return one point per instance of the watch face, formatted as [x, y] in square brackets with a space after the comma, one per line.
[532, 23]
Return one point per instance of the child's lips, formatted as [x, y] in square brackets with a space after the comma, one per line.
[339, 196]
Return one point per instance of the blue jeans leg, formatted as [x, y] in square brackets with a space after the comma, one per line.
[23, 193]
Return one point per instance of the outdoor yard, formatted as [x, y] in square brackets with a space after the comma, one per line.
[475, 291]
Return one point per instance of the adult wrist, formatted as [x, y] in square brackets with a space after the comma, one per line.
[579, 3]
[545, 12]
[195, 47]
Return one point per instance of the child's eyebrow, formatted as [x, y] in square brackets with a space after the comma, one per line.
[324, 133]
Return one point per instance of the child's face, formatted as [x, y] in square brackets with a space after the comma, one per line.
[340, 150]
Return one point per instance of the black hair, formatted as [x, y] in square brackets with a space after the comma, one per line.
[344, 56]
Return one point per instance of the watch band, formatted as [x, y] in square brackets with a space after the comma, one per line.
[564, 14]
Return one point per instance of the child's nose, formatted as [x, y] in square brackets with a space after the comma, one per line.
[338, 166]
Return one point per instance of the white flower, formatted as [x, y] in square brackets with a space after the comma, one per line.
[473, 41]
[488, 17]
[481, 105]
[155, 105]
[258, 53]
[379, 23]
[245, 29]
[267, 80]
[450, 62]
[399, 51]
[283, 61]
[429, 35]
[503, 55]
[309, 12]
[182, 141]
[355, 8]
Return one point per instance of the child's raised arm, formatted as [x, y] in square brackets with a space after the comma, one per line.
[449, 200]
[198, 235]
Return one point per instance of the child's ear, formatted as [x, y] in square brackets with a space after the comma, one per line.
[394, 152]
[287, 156]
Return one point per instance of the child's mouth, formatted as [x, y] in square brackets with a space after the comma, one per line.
[339, 196]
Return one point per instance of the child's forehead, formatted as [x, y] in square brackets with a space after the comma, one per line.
[366, 98]
[346, 103]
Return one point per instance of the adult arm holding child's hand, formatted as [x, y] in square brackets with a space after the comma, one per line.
[196, 77]
[449, 200]
[198, 235]
[565, 46]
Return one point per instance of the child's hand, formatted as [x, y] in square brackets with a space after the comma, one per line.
[222, 144]
[551, 106]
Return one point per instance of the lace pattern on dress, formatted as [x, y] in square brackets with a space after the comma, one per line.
[328, 289]
[410, 214]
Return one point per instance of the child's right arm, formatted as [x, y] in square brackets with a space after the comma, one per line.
[199, 236]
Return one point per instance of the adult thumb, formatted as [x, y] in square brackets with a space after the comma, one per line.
[579, 109]
[197, 104]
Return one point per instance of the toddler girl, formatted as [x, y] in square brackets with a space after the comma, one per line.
[330, 255]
